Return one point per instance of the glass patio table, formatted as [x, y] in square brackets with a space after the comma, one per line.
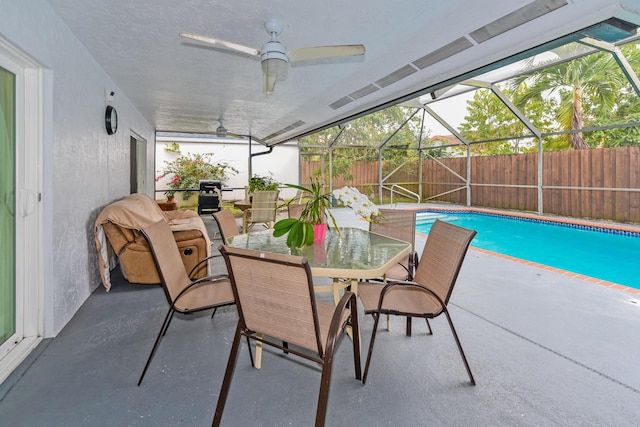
[359, 254]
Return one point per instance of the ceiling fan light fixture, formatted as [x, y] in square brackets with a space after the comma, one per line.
[274, 59]
[274, 67]
[275, 64]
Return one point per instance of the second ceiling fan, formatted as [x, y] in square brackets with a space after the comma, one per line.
[275, 58]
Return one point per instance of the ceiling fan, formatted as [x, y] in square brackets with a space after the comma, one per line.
[275, 57]
[222, 132]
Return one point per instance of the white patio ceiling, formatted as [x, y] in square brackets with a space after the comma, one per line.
[411, 47]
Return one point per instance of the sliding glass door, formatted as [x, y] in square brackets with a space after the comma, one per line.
[21, 108]
[7, 210]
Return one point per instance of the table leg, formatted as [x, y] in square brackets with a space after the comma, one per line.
[244, 221]
[257, 363]
[353, 287]
[336, 290]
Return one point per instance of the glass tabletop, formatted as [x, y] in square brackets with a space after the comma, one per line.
[359, 253]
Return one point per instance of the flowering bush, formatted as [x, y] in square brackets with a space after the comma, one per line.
[187, 170]
[358, 202]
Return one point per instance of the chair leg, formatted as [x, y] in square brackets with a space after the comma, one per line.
[214, 312]
[250, 353]
[455, 335]
[376, 317]
[408, 332]
[327, 363]
[166, 326]
[228, 374]
[429, 326]
[323, 396]
[163, 329]
[355, 326]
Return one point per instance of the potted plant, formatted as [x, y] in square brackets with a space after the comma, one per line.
[262, 183]
[313, 218]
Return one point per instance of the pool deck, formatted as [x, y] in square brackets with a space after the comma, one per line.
[545, 348]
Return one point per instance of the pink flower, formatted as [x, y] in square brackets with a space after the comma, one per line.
[175, 179]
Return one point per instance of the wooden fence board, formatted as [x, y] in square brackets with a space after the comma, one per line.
[621, 174]
[634, 182]
[597, 196]
[608, 181]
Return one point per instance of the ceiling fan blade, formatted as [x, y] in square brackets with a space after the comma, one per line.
[222, 43]
[319, 52]
[236, 135]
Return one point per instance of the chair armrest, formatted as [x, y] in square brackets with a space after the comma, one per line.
[199, 264]
[348, 299]
[414, 285]
[212, 279]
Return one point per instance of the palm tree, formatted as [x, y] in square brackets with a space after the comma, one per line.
[592, 79]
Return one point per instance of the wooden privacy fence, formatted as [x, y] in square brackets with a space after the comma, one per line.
[597, 183]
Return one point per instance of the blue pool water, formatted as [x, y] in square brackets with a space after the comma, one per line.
[613, 257]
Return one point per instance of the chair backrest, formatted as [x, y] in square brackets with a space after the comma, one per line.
[295, 210]
[274, 295]
[397, 223]
[264, 205]
[299, 196]
[173, 275]
[442, 257]
[226, 224]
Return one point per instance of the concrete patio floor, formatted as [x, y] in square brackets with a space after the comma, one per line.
[545, 349]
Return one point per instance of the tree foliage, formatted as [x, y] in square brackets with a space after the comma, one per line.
[587, 89]
[360, 139]
[489, 118]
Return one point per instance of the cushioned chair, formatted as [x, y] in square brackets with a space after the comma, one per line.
[428, 294]
[263, 209]
[118, 229]
[276, 303]
[183, 294]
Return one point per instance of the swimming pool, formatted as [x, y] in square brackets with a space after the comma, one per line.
[610, 255]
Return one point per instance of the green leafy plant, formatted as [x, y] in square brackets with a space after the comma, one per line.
[262, 183]
[316, 211]
[187, 170]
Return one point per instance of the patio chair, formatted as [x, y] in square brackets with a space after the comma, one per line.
[183, 294]
[399, 224]
[428, 294]
[276, 304]
[226, 224]
[263, 210]
[295, 210]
